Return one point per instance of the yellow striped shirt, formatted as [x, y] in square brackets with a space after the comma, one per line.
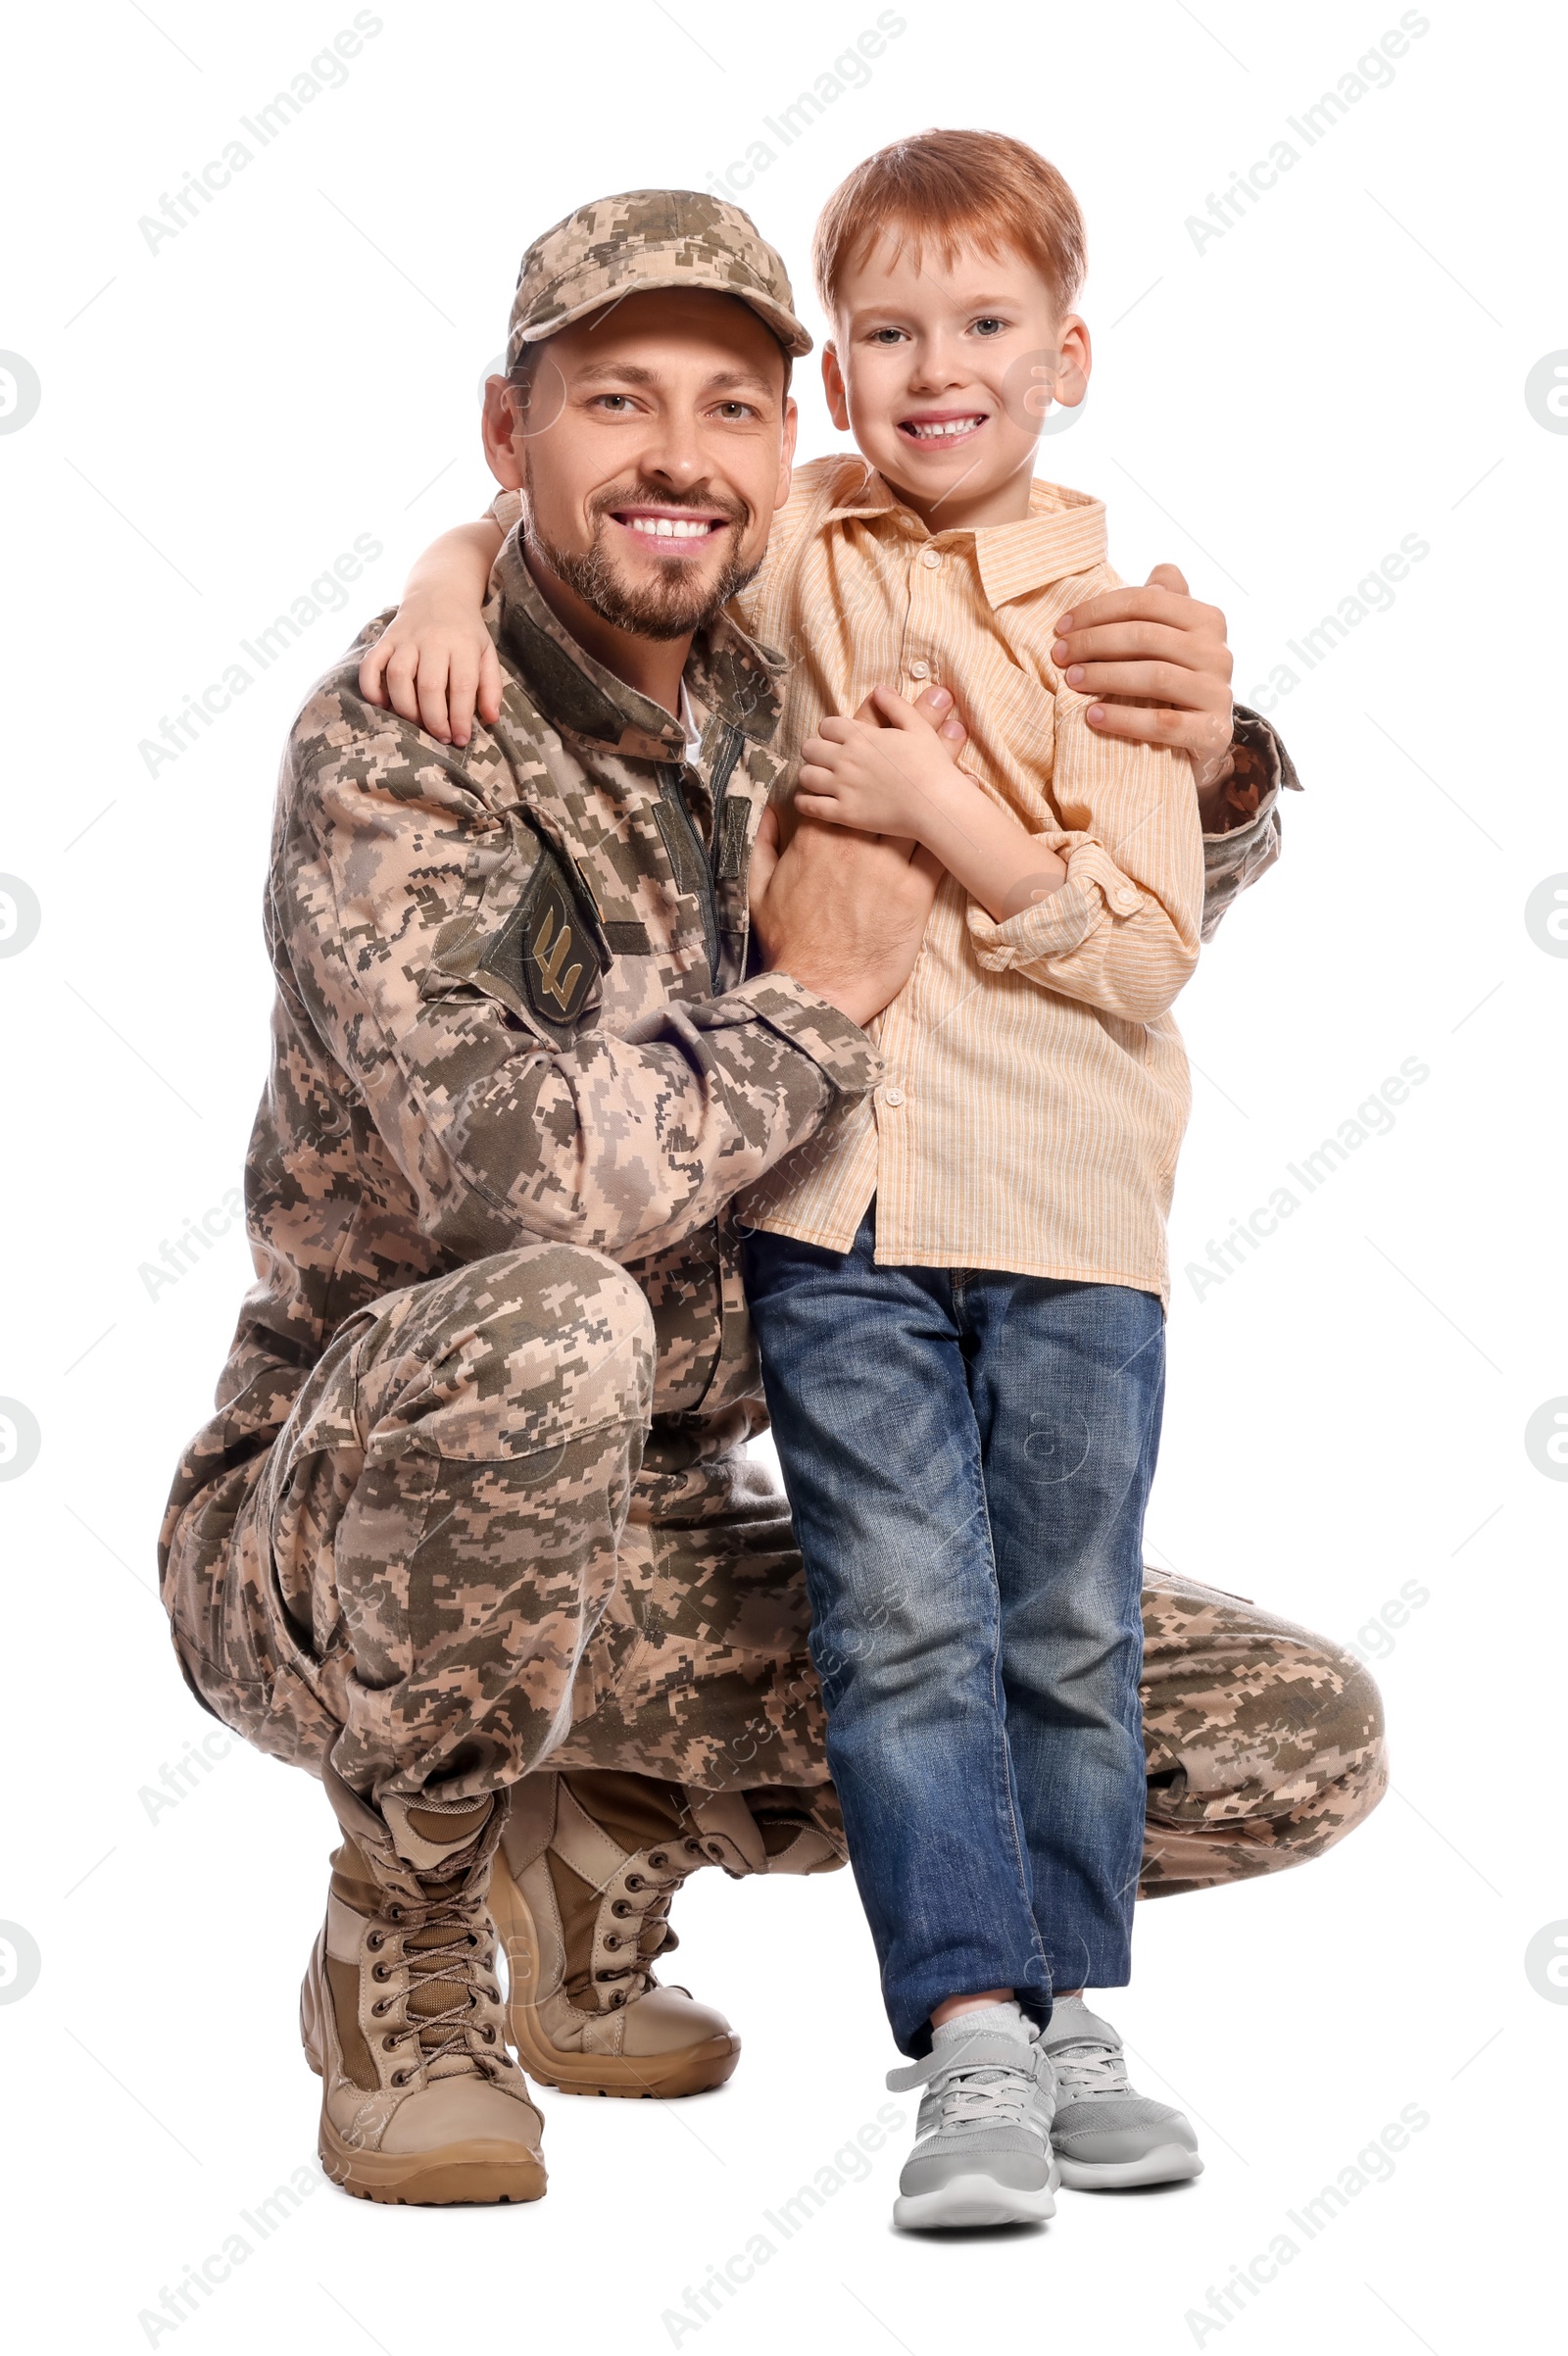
[1036, 1089]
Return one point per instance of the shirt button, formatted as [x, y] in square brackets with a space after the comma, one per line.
[919, 670]
[931, 557]
[893, 1096]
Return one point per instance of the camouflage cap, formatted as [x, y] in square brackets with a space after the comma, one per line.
[650, 237]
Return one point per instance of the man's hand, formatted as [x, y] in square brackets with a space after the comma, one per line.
[841, 912]
[1157, 662]
[845, 912]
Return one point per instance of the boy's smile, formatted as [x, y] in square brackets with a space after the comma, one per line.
[945, 427]
[929, 349]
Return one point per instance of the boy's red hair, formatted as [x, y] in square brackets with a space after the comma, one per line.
[955, 189]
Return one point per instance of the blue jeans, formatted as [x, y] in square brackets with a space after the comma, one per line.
[968, 1456]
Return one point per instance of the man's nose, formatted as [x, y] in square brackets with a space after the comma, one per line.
[673, 450]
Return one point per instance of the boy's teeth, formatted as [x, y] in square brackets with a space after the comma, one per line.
[948, 426]
[666, 527]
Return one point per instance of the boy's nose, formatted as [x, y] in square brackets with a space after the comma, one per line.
[937, 369]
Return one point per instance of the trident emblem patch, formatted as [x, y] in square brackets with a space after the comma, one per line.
[547, 948]
[549, 961]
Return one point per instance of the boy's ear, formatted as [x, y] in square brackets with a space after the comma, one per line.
[500, 433]
[833, 387]
[1074, 360]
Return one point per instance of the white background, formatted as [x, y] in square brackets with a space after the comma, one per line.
[221, 417]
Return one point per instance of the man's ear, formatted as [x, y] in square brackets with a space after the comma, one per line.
[833, 387]
[786, 453]
[500, 435]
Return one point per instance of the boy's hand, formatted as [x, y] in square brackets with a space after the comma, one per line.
[434, 665]
[888, 772]
[1157, 662]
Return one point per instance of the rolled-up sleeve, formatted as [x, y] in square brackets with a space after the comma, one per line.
[1234, 860]
[1121, 933]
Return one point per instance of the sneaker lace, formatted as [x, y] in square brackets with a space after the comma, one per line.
[1000, 2097]
[1090, 2066]
[447, 1946]
[1002, 2094]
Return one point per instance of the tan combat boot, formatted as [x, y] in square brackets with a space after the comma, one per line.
[400, 2016]
[588, 1865]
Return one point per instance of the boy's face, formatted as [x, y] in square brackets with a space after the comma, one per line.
[943, 372]
[655, 443]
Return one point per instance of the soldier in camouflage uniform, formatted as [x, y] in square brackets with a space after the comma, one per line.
[473, 1535]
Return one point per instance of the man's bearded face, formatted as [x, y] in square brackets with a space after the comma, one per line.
[655, 439]
[659, 563]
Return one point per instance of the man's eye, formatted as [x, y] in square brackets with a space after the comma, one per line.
[617, 401]
[730, 411]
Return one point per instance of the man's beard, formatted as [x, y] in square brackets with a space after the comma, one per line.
[672, 606]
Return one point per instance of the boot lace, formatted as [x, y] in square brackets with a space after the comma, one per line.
[446, 1945]
[642, 1903]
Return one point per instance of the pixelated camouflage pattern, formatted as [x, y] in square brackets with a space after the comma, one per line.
[466, 1558]
[649, 237]
[423, 1113]
[1264, 1743]
[1260, 768]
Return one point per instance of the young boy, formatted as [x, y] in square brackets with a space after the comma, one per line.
[959, 1289]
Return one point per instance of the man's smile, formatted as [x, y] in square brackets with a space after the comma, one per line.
[671, 533]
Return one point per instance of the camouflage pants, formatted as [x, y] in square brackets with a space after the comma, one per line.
[463, 1559]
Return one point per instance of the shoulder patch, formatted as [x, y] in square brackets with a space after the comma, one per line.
[547, 948]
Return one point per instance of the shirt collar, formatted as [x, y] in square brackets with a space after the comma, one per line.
[729, 673]
[1063, 534]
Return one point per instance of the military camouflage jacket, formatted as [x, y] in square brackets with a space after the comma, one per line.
[512, 1003]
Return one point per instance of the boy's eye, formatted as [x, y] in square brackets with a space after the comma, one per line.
[990, 327]
[887, 335]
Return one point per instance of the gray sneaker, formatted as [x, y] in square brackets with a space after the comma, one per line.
[1106, 2135]
[982, 2149]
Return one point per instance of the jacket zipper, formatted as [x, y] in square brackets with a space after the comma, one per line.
[676, 801]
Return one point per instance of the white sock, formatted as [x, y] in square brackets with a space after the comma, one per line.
[986, 2020]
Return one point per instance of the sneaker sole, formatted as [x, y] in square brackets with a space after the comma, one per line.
[638, 2076]
[1170, 2164]
[971, 2200]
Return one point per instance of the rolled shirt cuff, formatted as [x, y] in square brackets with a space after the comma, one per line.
[1237, 858]
[1063, 919]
